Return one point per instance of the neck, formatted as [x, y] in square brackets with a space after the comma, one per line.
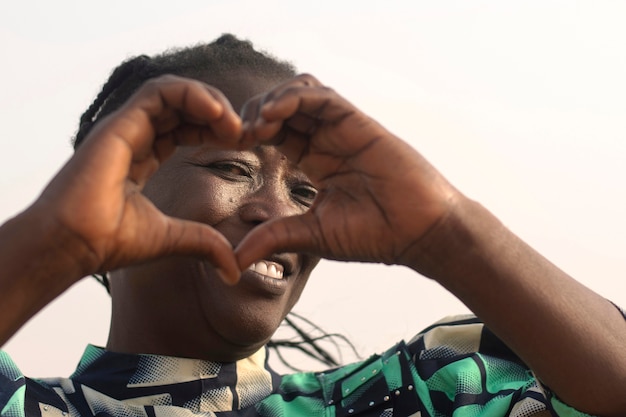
[140, 324]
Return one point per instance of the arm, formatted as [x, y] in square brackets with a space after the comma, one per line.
[380, 201]
[39, 261]
[572, 338]
[92, 216]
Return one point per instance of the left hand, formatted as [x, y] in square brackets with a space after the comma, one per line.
[377, 196]
[380, 200]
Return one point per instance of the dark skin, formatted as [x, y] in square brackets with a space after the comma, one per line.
[178, 305]
[395, 209]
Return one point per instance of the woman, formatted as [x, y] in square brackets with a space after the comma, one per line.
[170, 179]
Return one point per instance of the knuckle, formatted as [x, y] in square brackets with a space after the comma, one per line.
[161, 81]
[308, 80]
[328, 90]
[154, 82]
[167, 78]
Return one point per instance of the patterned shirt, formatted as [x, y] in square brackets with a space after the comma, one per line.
[455, 367]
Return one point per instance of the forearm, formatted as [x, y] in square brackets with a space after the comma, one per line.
[572, 338]
[37, 264]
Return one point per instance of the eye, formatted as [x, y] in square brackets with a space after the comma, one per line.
[232, 170]
[304, 194]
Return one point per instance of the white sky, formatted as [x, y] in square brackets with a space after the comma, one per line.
[520, 104]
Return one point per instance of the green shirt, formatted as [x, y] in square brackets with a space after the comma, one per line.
[456, 367]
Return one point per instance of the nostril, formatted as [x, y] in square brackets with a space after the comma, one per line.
[254, 213]
[270, 201]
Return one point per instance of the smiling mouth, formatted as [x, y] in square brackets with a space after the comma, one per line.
[268, 269]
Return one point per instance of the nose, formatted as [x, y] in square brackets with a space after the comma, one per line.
[271, 200]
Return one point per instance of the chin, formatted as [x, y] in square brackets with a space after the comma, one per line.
[247, 330]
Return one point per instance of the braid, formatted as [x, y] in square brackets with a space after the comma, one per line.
[308, 342]
[205, 62]
[120, 75]
[103, 279]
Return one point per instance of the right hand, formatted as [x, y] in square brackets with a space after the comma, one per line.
[96, 199]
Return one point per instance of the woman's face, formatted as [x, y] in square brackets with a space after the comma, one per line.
[178, 305]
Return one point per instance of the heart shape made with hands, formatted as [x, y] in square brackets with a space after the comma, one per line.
[376, 195]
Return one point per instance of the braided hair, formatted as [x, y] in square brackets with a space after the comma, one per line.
[211, 63]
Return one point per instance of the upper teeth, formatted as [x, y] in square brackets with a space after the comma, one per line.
[270, 269]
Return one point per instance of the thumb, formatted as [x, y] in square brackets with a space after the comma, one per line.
[285, 234]
[185, 237]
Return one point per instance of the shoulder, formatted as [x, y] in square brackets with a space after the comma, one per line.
[21, 396]
[456, 337]
[457, 365]
[462, 364]
[12, 385]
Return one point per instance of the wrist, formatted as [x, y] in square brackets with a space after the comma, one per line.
[458, 243]
[37, 264]
[37, 247]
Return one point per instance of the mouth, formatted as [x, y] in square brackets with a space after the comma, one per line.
[271, 276]
[269, 269]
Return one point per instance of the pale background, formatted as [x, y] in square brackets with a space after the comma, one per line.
[520, 104]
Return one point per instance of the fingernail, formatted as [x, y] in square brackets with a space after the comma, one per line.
[267, 106]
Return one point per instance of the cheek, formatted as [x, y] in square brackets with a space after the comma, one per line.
[202, 199]
[308, 264]
[207, 203]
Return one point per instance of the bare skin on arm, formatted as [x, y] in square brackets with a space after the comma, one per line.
[378, 200]
[398, 209]
[92, 216]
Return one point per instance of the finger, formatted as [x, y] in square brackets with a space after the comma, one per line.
[287, 234]
[301, 119]
[314, 120]
[162, 105]
[254, 126]
[301, 80]
[227, 126]
[160, 108]
[249, 115]
[185, 237]
[188, 135]
[319, 104]
[294, 145]
[169, 101]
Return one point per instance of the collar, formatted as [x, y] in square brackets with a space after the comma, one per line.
[155, 380]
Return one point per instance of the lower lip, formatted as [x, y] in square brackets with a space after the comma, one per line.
[263, 283]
